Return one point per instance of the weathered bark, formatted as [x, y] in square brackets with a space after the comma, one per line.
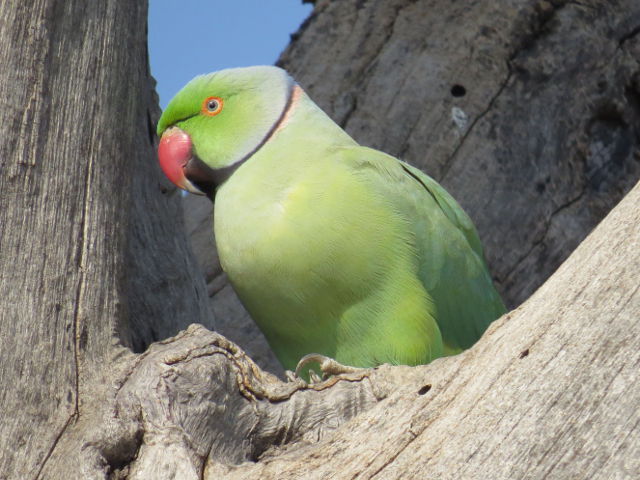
[85, 265]
[91, 273]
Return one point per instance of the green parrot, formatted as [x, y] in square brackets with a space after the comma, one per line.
[333, 248]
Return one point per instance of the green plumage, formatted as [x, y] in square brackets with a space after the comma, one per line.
[332, 247]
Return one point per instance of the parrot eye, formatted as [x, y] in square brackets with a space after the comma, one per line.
[212, 106]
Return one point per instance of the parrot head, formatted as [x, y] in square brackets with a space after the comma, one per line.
[219, 120]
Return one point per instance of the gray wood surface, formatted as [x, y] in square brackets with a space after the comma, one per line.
[92, 252]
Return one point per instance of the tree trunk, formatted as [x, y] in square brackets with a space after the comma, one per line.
[94, 261]
[527, 111]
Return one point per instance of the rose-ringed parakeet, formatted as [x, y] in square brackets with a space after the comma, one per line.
[332, 247]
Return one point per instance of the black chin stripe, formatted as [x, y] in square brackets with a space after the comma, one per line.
[275, 126]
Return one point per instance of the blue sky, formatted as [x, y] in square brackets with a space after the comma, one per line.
[198, 36]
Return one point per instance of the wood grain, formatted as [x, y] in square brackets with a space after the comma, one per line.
[77, 248]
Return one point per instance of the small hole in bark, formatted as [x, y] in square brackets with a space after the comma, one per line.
[458, 90]
[424, 389]
[540, 187]
[82, 340]
[524, 353]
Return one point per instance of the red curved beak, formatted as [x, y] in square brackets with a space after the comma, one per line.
[174, 152]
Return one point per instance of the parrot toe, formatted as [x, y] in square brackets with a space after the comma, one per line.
[327, 365]
[314, 377]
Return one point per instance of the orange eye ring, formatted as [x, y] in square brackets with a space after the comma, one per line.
[212, 106]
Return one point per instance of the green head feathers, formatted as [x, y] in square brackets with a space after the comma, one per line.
[226, 115]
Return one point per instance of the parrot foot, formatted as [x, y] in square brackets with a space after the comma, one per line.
[328, 367]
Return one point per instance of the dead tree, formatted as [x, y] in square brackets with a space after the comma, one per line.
[528, 111]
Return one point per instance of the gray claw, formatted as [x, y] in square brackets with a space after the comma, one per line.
[314, 377]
